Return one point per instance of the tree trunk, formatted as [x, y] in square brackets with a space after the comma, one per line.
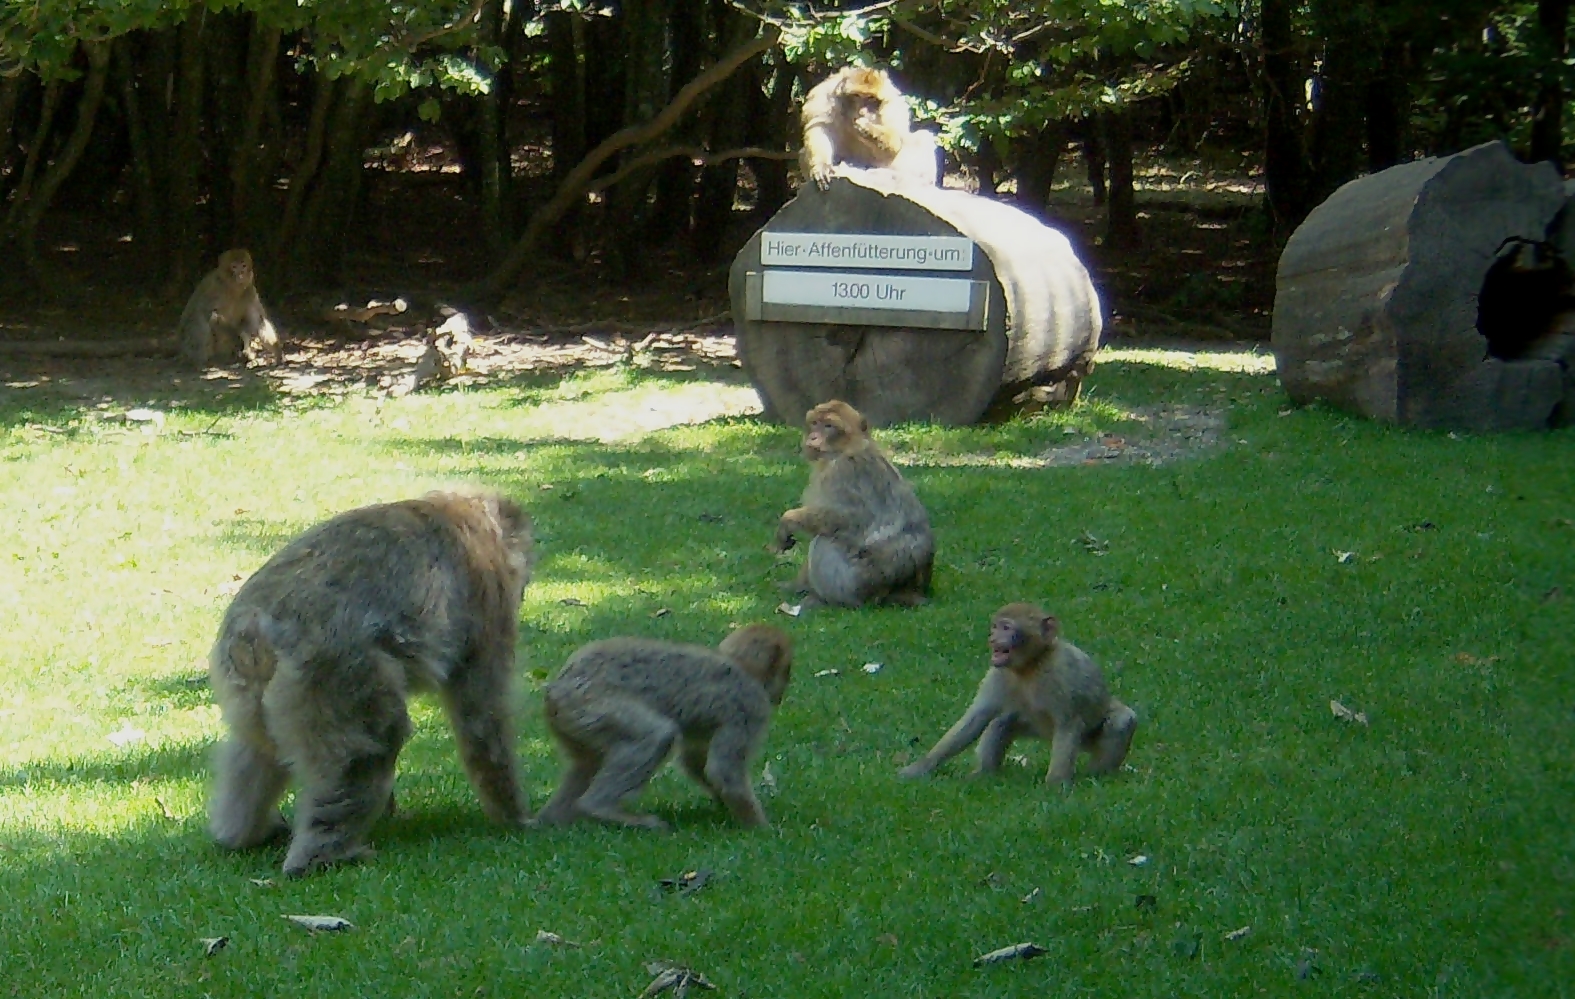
[1388, 107]
[1287, 178]
[645, 58]
[305, 171]
[331, 208]
[1339, 125]
[1121, 229]
[149, 230]
[770, 124]
[677, 179]
[224, 116]
[1038, 155]
[1093, 146]
[251, 162]
[188, 251]
[35, 154]
[87, 112]
[1547, 125]
[10, 92]
[719, 182]
[492, 131]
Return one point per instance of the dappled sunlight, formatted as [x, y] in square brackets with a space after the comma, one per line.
[637, 411]
[1252, 360]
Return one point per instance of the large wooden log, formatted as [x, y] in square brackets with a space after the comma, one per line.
[1041, 325]
[1377, 298]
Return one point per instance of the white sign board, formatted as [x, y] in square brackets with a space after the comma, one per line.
[866, 291]
[904, 253]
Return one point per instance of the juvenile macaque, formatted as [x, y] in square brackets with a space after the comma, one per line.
[224, 315]
[621, 704]
[870, 538]
[321, 646]
[1040, 686]
[859, 117]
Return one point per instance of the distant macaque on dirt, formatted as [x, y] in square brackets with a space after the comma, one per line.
[224, 317]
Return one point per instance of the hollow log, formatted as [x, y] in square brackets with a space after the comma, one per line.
[1417, 295]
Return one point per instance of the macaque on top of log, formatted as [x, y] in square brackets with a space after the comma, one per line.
[224, 316]
[869, 536]
[1043, 687]
[858, 117]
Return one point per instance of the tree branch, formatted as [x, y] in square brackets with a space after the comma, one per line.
[575, 184]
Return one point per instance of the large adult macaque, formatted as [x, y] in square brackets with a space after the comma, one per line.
[621, 704]
[870, 539]
[224, 316]
[321, 646]
[858, 116]
[1039, 686]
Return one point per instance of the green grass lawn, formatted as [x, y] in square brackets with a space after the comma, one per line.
[1427, 580]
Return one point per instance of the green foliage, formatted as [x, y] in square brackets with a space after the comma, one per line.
[1422, 579]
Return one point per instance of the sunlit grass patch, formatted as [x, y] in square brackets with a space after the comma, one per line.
[1232, 592]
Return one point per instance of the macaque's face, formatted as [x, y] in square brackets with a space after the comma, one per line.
[237, 269]
[1005, 637]
[831, 428]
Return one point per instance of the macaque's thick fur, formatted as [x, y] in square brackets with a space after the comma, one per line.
[224, 317]
[1039, 686]
[857, 117]
[322, 645]
[620, 705]
[869, 536]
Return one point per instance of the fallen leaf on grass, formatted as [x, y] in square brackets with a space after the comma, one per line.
[152, 416]
[662, 613]
[1093, 545]
[1146, 901]
[1553, 595]
[829, 672]
[872, 668]
[768, 780]
[1238, 934]
[675, 977]
[164, 808]
[1031, 896]
[324, 924]
[1139, 860]
[1187, 945]
[158, 643]
[231, 586]
[1016, 952]
[1344, 713]
[791, 610]
[262, 882]
[1344, 557]
[212, 945]
[687, 883]
[548, 937]
[572, 602]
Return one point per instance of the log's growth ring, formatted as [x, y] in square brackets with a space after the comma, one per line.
[909, 302]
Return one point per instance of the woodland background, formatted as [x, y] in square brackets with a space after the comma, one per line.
[481, 145]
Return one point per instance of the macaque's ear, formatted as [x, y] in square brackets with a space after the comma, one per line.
[1049, 628]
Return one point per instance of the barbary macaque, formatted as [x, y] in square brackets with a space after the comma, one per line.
[1042, 686]
[224, 316]
[858, 116]
[320, 648]
[870, 539]
[620, 705]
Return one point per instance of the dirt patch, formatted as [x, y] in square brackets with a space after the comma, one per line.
[1168, 433]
